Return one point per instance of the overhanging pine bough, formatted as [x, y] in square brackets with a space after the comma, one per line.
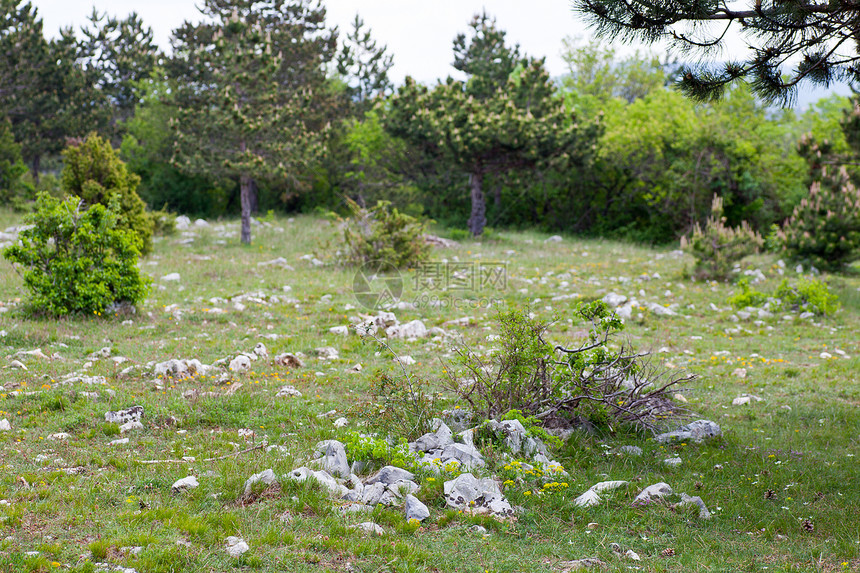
[824, 34]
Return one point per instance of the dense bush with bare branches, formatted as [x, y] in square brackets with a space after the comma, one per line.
[597, 382]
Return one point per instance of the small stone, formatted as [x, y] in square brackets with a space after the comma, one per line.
[17, 365]
[656, 491]
[172, 277]
[369, 527]
[129, 426]
[613, 300]
[184, 484]
[632, 555]
[696, 500]
[739, 373]
[825, 355]
[479, 529]
[341, 422]
[415, 509]
[267, 477]
[413, 329]
[288, 391]
[339, 330]
[59, 436]
[741, 400]
[240, 364]
[5, 426]
[289, 360]
[119, 442]
[133, 414]
[236, 547]
[334, 458]
[389, 475]
[327, 353]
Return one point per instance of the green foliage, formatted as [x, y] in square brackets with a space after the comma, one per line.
[718, 247]
[775, 32]
[533, 381]
[48, 94]
[94, 172]
[807, 295]
[747, 296]
[506, 118]
[824, 229]
[533, 427]
[12, 168]
[78, 261]
[804, 295]
[163, 221]
[378, 451]
[248, 88]
[401, 406]
[147, 148]
[383, 235]
[364, 65]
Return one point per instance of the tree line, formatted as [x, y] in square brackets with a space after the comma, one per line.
[261, 105]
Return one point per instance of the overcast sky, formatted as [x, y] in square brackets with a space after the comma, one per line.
[419, 33]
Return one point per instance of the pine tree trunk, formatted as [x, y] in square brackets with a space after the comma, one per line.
[479, 206]
[245, 183]
[255, 200]
[34, 168]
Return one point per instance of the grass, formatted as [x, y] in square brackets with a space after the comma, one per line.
[84, 500]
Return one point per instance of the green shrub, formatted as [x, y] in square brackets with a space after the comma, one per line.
[747, 296]
[163, 221]
[382, 234]
[77, 261]
[94, 172]
[824, 229]
[718, 247]
[807, 295]
[534, 381]
[379, 451]
[804, 295]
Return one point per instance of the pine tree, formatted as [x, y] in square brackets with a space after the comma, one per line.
[120, 53]
[44, 92]
[498, 121]
[244, 84]
[364, 65]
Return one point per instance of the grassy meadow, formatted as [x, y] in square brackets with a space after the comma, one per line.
[790, 459]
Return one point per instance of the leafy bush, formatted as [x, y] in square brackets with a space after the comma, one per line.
[379, 451]
[77, 260]
[163, 221]
[718, 247]
[382, 234]
[400, 406]
[804, 295]
[94, 172]
[594, 382]
[807, 295]
[824, 229]
[748, 296]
